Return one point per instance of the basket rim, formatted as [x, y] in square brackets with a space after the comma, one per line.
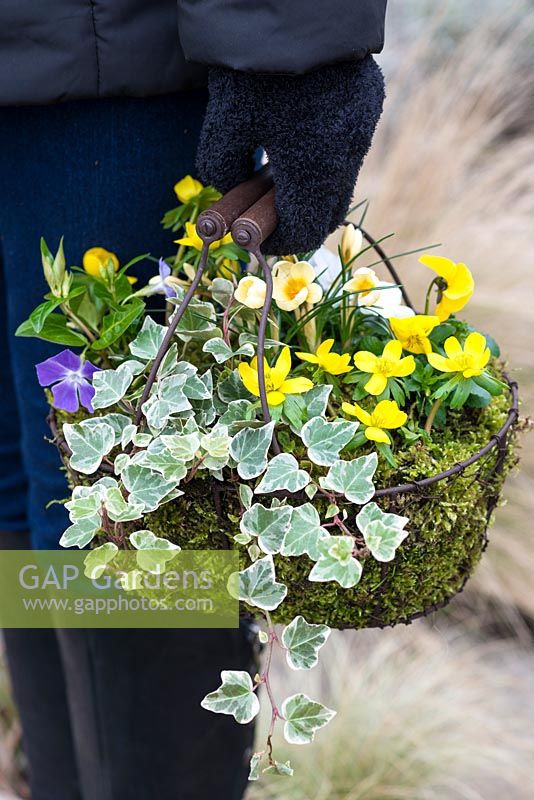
[496, 440]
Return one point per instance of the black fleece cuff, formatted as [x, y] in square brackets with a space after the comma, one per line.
[316, 129]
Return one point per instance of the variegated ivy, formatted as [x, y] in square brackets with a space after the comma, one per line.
[207, 423]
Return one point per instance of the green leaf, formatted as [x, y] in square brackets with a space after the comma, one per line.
[81, 533]
[147, 488]
[249, 448]
[112, 384]
[336, 562]
[279, 768]
[117, 322]
[39, 315]
[303, 717]
[325, 439]
[304, 533]
[354, 478]
[54, 330]
[283, 473]
[257, 585]
[268, 524]
[222, 352]
[235, 696]
[154, 552]
[382, 532]
[148, 341]
[303, 641]
[97, 560]
[89, 445]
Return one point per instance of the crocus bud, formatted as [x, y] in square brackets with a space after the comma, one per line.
[351, 242]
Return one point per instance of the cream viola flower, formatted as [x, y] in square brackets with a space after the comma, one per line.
[351, 243]
[384, 299]
[294, 284]
[251, 291]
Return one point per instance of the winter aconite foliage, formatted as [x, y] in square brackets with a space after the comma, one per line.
[353, 379]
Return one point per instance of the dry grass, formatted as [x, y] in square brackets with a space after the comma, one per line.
[423, 715]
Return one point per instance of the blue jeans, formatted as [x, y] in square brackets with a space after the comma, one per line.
[106, 714]
[99, 173]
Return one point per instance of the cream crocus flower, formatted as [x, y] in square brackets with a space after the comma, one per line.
[294, 284]
[251, 291]
[364, 280]
[351, 243]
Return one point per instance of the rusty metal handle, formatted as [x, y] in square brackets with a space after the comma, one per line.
[217, 220]
[257, 223]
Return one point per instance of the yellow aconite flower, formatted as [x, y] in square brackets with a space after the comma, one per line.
[276, 381]
[228, 269]
[351, 243]
[363, 280]
[386, 414]
[192, 239]
[469, 360]
[293, 285]
[460, 284]
[187, 189]
[329, 362]
[413, 332]
[96, 258]
[251, 291]
[389, 365]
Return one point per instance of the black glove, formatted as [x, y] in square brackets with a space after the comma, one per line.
[316, 129]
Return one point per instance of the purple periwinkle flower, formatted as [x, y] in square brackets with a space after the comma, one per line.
[69, 378]
[163, 283]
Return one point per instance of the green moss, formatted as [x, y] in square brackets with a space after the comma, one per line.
[448, 525]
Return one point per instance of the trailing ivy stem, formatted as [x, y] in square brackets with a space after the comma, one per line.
[265, 679]
[432, 415]
[171, 330]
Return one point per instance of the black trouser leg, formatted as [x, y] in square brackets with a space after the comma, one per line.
[36, 670]
[139, 730]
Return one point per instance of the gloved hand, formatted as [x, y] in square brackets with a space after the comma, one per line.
[316, 129]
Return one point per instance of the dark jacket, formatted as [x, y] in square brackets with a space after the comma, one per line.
[54, 50]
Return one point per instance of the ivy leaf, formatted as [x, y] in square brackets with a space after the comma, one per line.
[182, 446]
[249, 449]
[283, 473]
[371, 512]
[97, 560]
[235, 696]
[245, 495]
[316, 400]
[257, 585]
[154, 552]
[279, 768]
[148, 341]
[303, 718]
[238, 411]
[268, 524]
[86, 501]
[117, 322]
[81, 533]
[112, 384]
[216, 445]
[254, 771]
[325, 439]
[147, 488]
[383, 540]
[89, 445]
[304, 533]
[222, 352]
[120, 510]
[354, 478]
[336, 562]
[303, 642]
[160, 458]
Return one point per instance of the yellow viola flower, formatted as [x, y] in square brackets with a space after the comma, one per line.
[97, 258]
[470, 360]
[294, 284]
[188, 188]
[276, 381]
[413, 332]
[459, 284]
[351, 243]
[332, 363]
[364, 280]
[385, 416]
[389, 365]
[251, 291]
[192, 239]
